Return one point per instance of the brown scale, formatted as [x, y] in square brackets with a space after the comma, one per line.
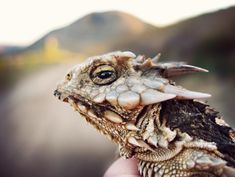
[183, 164]
[200, 124]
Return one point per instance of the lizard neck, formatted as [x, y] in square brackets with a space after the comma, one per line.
[200, 121]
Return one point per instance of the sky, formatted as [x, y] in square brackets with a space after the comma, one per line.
[24, 21]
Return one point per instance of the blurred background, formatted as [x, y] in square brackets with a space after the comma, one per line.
[41, 40]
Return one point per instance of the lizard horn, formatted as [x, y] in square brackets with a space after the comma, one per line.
[156, 58]
[179, 68]
[184, 93]
[123, 56]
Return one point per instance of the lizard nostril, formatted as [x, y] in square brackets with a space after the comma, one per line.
[57, 93]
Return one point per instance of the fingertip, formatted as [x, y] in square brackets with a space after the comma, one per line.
[123, 168]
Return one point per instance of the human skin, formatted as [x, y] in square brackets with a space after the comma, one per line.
[123, 168]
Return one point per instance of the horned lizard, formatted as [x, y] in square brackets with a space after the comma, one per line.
[133, 101]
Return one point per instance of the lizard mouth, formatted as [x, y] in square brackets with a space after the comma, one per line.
[90, 109]
[77, 102]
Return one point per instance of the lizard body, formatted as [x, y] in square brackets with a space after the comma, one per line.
[133, 101]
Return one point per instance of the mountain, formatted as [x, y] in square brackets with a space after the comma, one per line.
[207, 40]
[96, 32]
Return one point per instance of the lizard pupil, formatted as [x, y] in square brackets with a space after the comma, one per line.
[105, 74]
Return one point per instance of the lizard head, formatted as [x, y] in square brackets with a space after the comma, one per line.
[113, 90]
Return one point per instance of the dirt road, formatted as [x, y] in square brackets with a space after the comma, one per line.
[41, 136]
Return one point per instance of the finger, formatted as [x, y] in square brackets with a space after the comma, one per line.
[123, 168]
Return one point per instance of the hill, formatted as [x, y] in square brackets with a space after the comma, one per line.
[207, 40]
[96, 32]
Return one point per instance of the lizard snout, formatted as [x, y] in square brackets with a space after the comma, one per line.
[60, 96]
[57, 93]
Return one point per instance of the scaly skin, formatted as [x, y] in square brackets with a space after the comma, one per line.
[133, 102]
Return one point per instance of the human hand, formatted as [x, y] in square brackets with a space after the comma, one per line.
[123, 168]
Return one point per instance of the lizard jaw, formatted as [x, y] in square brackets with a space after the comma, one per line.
[89, 108]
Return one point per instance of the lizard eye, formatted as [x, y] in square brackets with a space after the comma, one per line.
[103, 74]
